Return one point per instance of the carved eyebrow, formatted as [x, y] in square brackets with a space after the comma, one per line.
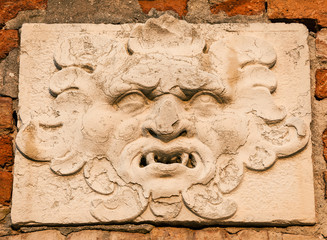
[205, 82]
[119, 88]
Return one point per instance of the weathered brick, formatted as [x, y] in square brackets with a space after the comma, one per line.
[324, 140]
[253, 235]
[10, 8]
[299, 237]
[238, 7]
[89, 234]
[46, 235]
[6, 181]
[6, 120]
[211, 233]
[4, 211]
[9, 74]
[179, 6]
[321, 43]
[128, 236]
[8, 41]
[297, 9]
[169, 233]
[321, 83]
[6, 151]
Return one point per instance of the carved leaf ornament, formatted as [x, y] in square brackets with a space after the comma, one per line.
[162, 121]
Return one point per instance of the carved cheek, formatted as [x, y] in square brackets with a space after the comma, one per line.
[98, 123]
[128, 130]
[223, 133]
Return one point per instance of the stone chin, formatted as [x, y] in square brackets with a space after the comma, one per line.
[164, 170]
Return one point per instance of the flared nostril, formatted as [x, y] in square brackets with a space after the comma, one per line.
[152, 133]
[183, 133]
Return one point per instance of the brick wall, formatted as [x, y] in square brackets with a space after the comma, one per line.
[13, 13]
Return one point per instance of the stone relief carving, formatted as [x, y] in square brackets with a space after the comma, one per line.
[163, 121]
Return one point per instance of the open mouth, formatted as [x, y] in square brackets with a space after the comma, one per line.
[186, 159]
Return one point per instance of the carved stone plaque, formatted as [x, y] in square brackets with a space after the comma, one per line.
[165, 122]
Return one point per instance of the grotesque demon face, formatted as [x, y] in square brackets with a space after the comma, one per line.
[164, 123]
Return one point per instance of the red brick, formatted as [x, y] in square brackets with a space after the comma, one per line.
[6, 120]
[6, 181]
[8, 41]
[179, 6]
[126, 236]
[6, 151]
[170, 233]
[211, 233]
[10, 8]
[253, 235]
[297, 9]
[321, 83]
[238, 7]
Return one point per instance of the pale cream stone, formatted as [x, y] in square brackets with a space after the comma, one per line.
[164, 122]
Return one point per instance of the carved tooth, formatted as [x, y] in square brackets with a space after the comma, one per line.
[150, 158]
[184, 158]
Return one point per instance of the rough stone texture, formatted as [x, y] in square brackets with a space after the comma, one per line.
[94, 11]
[211, 233]
[321, 83]
[10, 8]
[299, 237]
[298, 9]
[6, 181]
[4, 211]
[6, 151]
[33, 16]
[253, 235]
[89, 235]
[127, 236]
[179, 7]
[8, 41]
[6, 121]
[46, 235]
[9, 74]
[324, 139]
[170, 233]
[187, 131]
[321, 43]
[238, 7]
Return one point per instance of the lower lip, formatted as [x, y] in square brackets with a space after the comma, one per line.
[165, 170]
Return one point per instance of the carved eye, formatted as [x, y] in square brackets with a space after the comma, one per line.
[133, 102]
[205, 102]
[205, 98]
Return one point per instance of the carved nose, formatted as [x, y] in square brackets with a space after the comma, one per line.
[165, 123]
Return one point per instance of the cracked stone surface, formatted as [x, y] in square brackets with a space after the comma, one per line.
[164, 122]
